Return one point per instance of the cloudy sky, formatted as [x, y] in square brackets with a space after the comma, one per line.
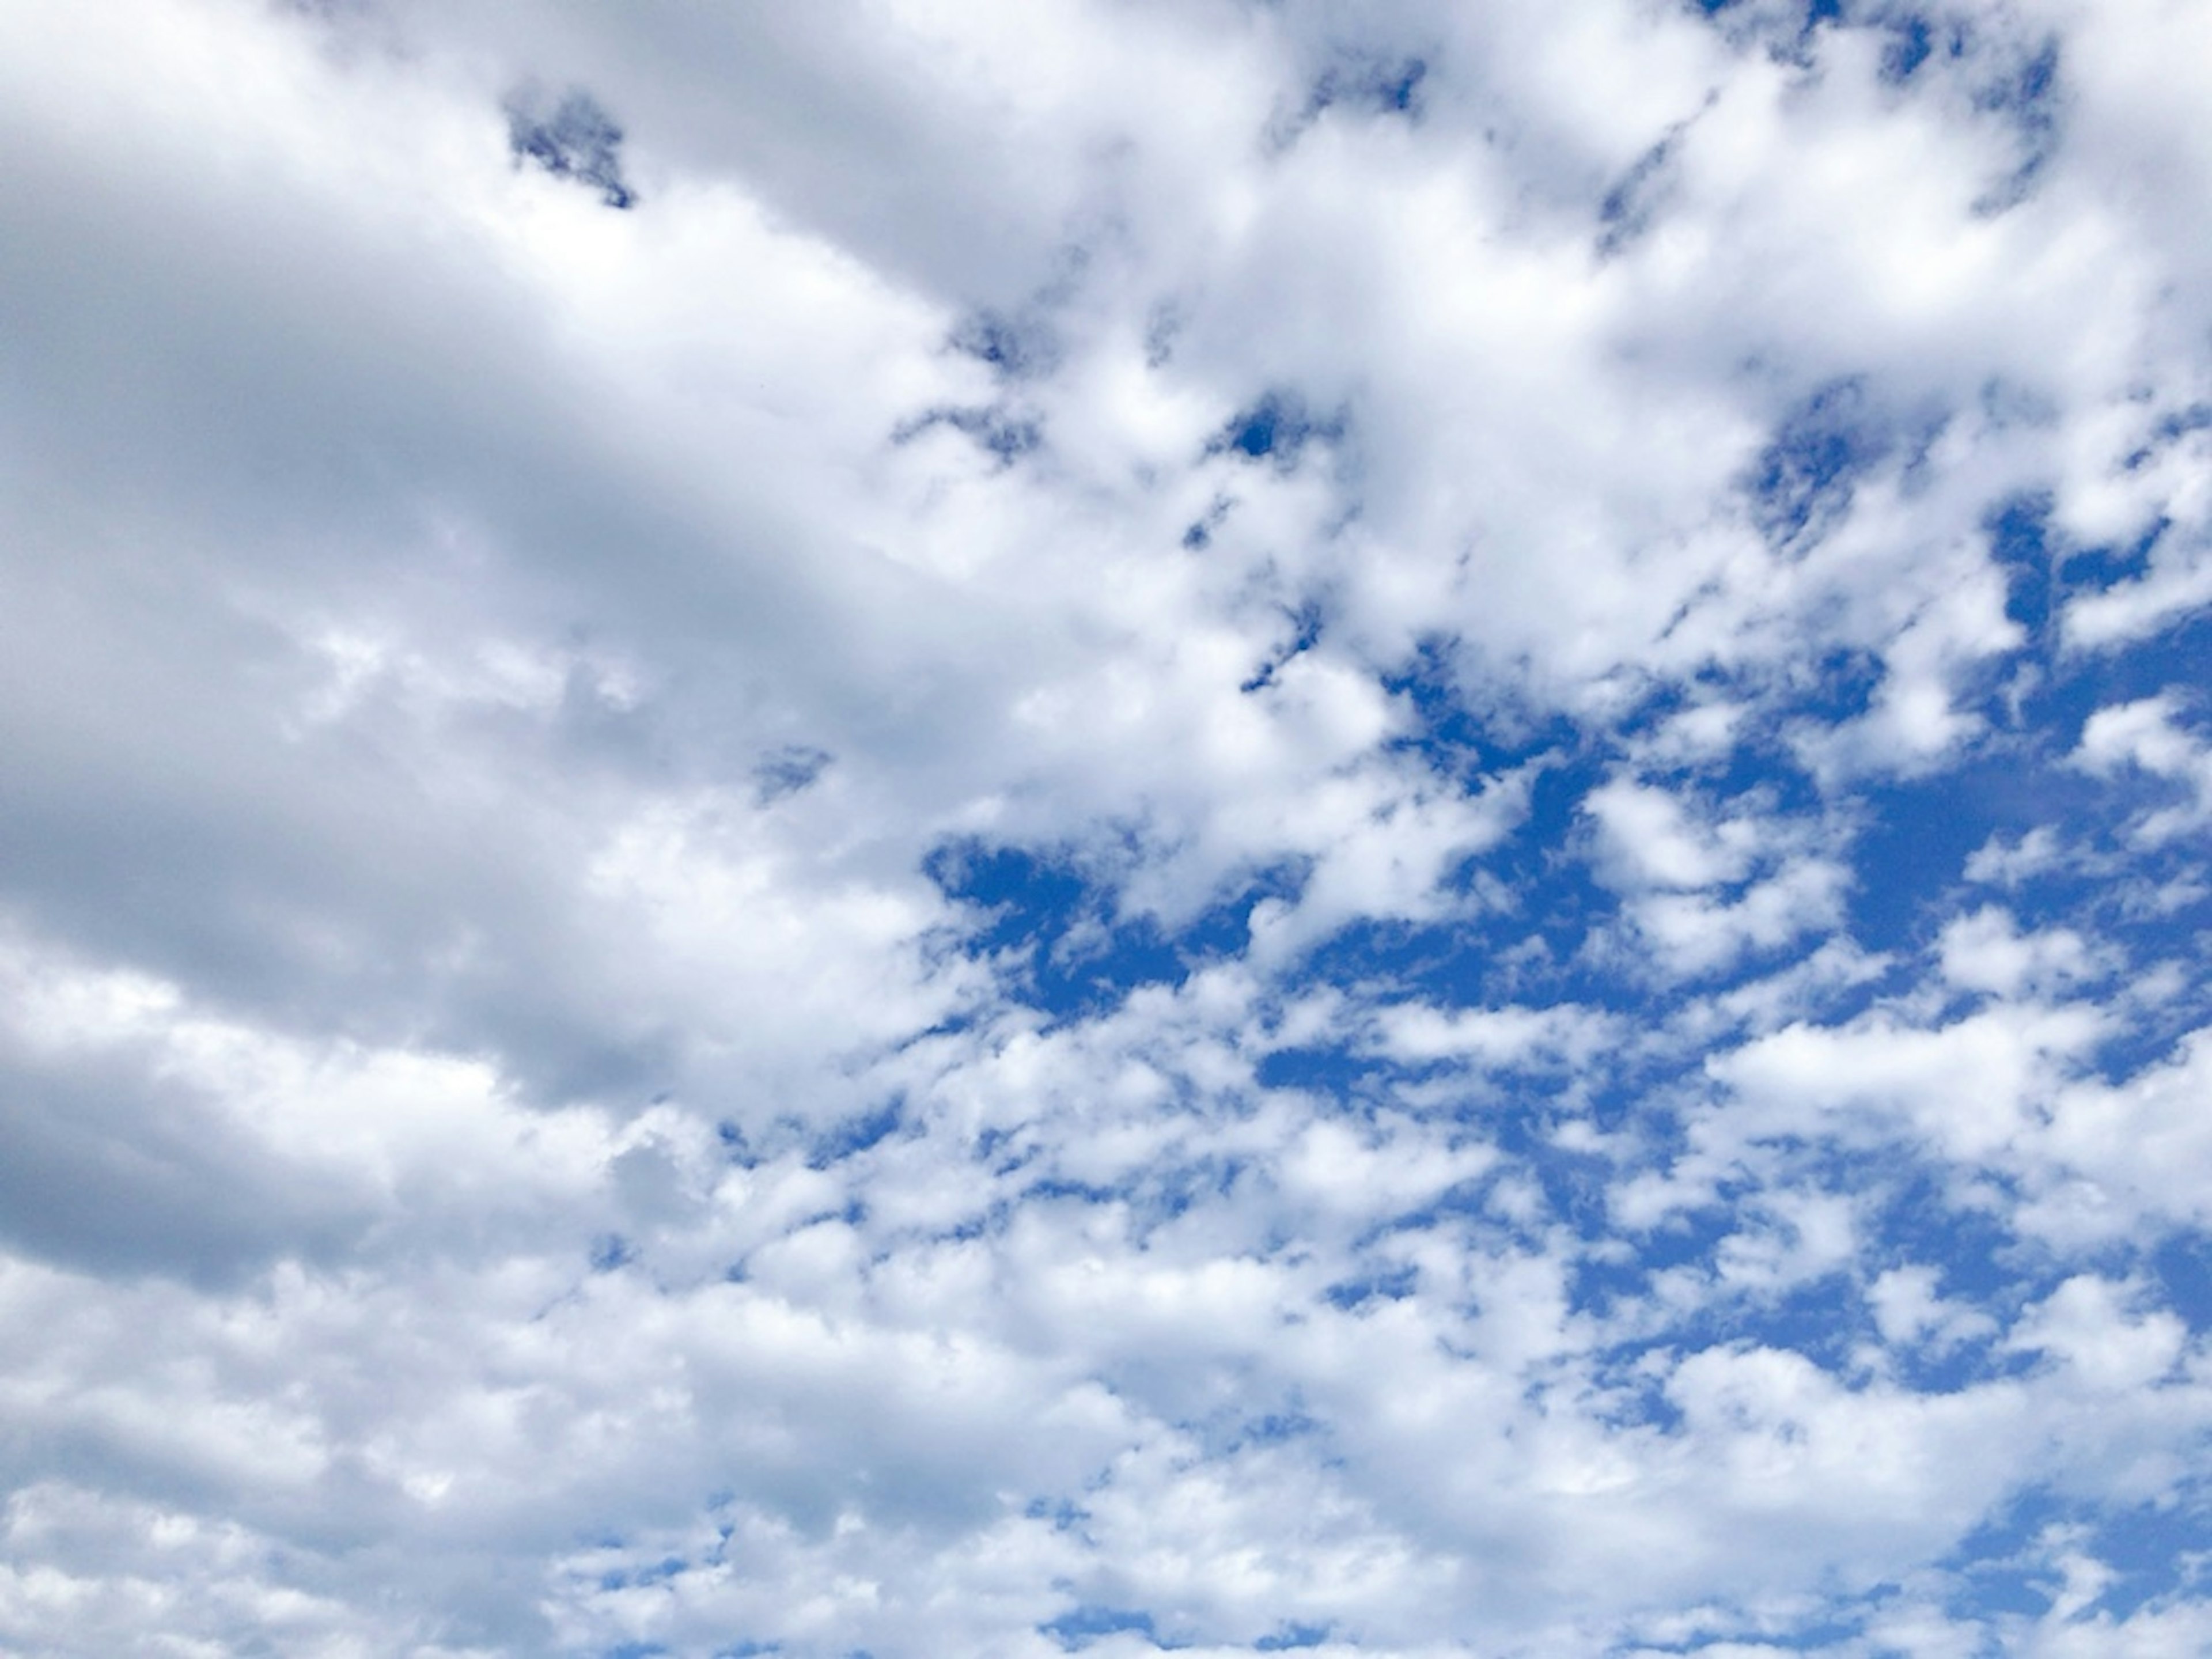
[934, 828]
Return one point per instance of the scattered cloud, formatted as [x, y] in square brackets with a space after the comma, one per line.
[1104, 828]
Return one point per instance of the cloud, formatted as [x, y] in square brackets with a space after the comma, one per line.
[1102, 828]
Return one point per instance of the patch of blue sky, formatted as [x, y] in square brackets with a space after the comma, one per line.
[2154, 1550]
[1784, 30]
[1065, 1513]
[1630, 206]
[1467, 732]
[1276, 427]
[1922, 1216]
[574, 138]
[2019, 541]
[2029, 90]
[2181, 1266]
[1305, 620]
[1388, 86]
[1331, 1072]
[2011, 1564]
[1288, 1637]
[1800, 485]
[1363, 84]
[1000, 431]
[2174, 657]
[1057, 934]
[654, 1572]
[1015, 345]
[2026, 92]
[858, 1133]
[1912, 40]
[1917, 835]
[1081, 1627]
[1388, 1284]
[1247, 1425]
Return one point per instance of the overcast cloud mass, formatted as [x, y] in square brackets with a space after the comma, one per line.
[926, 828]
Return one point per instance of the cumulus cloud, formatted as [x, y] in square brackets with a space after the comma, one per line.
[1103, 827]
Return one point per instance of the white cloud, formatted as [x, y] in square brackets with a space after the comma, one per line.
[1449, 538]
[1985, 951]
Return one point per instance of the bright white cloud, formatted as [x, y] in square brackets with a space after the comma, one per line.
[912, 828]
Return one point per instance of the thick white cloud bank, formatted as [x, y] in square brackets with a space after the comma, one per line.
[928, 827]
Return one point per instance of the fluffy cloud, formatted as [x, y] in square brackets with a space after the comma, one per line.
[895, 828]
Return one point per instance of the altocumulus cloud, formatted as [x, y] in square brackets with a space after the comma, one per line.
[1105, 826]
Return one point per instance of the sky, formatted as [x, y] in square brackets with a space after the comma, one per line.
[920, 828]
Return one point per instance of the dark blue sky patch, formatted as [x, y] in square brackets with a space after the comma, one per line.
[1027, 898]
[1060, 934]
[1785, 34]
[1838, 685]
[2183, 1265]
[1800, 487]
[2029, 91]
[1224, 928]
[999, 431]
[857, 1135]
[2157, 1550]
[1626, 209]
[2175, 657]
[1168, 1190]
[1064, 1513]
[1823, 1319]
[576, 139]
[654, 1572]
[1392, 1285]
[2169, 429]
[1915, 38]
[2154, 1549]
[2096, 568]
[1273, 1428]
[2018, 531]
[1331, 1071]
[1306, 623]
[1363, 84]
[1277, 427]
[2029, 95]
[1916, 1218]
[1200, 534]
[1912, 39]
[1287, 1637]
[1076, 1630]
[1016, 346]
[1075, 955]
[1378, 86]
[1455, 731]
[2151, 1035]
[1912, 846]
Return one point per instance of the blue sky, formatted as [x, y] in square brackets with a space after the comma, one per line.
[1106, 827]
